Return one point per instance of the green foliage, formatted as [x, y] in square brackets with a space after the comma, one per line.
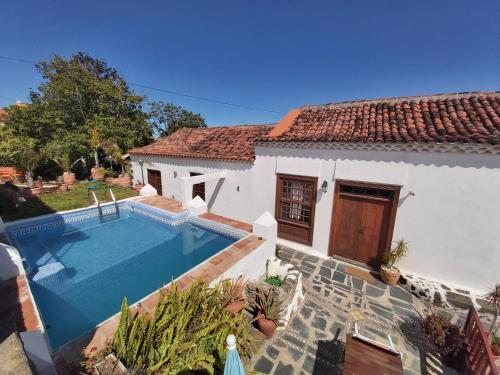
[493, 296]
[11, 208]
[167, 118]
[186, 333]
[274, 281]
[445, 336]
[398, 252]
[495, 345]
[81, 106]
[268, 305]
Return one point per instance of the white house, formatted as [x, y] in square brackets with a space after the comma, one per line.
[346, 179]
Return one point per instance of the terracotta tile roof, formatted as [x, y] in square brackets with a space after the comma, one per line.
[234, 143]
[462, 118]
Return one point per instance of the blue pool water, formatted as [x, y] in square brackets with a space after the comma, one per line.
[81, 271]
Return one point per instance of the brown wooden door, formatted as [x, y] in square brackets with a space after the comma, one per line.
[362, 222]
[154, 179]
[295, 205]
[198, 189]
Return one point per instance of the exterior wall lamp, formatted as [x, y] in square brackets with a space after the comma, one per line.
[141, 163]
[324, 186]
[175, 174]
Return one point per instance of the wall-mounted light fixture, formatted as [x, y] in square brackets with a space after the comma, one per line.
[175, 174]
[238, 188]
[324, 186]
[141, 163]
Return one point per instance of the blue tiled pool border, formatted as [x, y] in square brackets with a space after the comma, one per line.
[32, 225]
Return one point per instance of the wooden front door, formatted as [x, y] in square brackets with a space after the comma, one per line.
[198, 189]
[154, 179]
[363, 221]
[295, 204]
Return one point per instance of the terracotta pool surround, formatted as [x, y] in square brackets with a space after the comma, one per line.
[210, 270]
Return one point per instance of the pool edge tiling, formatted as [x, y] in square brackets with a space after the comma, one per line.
[208, 270]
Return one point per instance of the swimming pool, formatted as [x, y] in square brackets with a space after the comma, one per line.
[81, 265]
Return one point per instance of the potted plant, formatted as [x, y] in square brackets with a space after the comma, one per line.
[138, 186]
[388, 271]
[493, 296]
[98, 173]
[232, 294]
[269, 311]
[39, 182]
[446, 338]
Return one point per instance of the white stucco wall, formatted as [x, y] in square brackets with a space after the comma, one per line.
[222, 196]
[452, 221]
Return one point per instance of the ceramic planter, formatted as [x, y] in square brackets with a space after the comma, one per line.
[36, 191]
[97, 173]
[69, 178]
[389, 274]
[266, 326]
[235, 307]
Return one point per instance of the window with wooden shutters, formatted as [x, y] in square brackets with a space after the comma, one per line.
[296, 198]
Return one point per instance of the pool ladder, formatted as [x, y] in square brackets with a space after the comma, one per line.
[98, 204]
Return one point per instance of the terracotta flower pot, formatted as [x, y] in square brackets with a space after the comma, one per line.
[267, 327]
[36, 191]
[69, 178]
[389, 274]
[97, 173]
[235, 307]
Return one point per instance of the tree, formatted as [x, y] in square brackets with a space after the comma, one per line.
[65, 149]
[86, 96]
[167, 118]
[23, 137]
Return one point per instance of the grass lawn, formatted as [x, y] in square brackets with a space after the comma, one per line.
[77, 197]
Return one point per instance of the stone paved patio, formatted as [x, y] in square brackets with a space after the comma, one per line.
[313, 341]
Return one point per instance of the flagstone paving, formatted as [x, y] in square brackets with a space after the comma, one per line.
[313, 341]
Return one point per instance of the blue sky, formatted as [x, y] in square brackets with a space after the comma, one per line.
[268, 54]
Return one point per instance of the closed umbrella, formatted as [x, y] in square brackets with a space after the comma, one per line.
[233, 364]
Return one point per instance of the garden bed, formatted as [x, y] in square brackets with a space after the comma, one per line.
[14, 207]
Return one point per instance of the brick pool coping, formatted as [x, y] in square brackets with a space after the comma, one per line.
[208, 271]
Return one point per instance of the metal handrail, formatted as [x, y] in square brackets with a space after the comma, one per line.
[114, 201]
[98, 204]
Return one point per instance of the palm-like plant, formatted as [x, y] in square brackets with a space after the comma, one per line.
[394, 255]
[493, 296]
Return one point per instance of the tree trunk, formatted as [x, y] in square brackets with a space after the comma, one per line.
[29, 178]
[96, 158]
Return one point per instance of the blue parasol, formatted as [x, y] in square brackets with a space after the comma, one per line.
[233, 364]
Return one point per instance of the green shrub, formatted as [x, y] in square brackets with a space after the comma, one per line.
[495, 345]
[110, 173]
[186, 333]
[274, 281]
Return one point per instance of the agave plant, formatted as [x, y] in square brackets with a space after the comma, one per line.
[394, 255]
[493, 296]
[268, 306]
[232, 290]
